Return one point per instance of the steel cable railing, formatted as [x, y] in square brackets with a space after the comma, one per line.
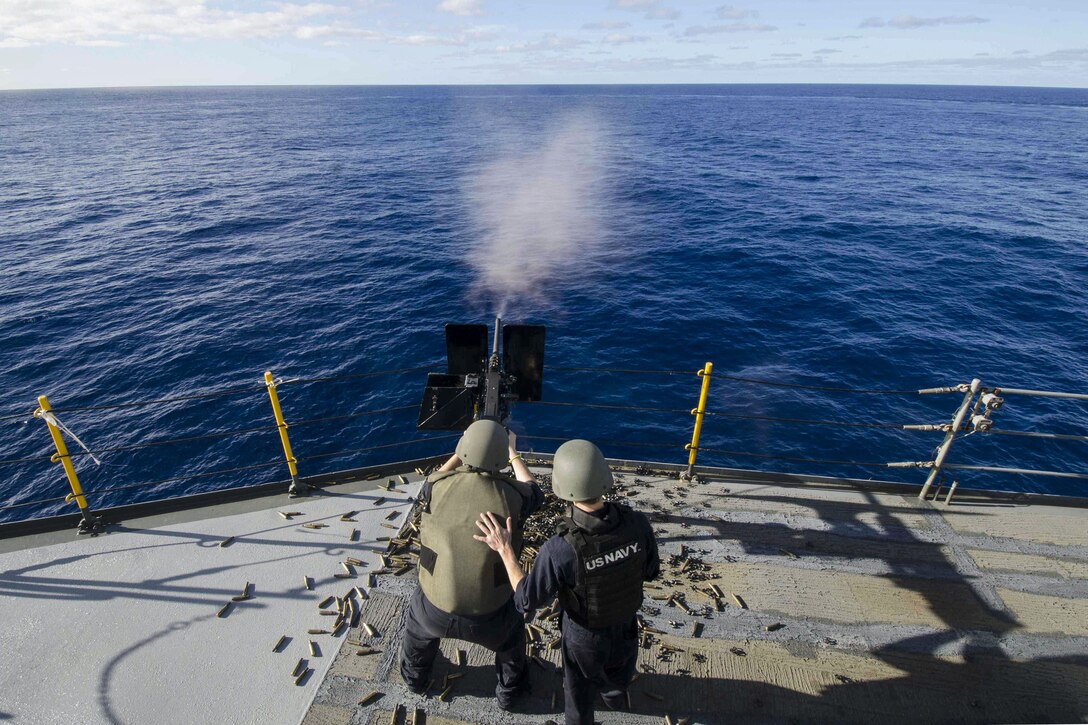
[706, 374]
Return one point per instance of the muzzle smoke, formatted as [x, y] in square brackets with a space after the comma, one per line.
[538, 214]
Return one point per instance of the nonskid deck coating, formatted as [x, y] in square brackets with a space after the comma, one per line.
[123, 627]
[888, 613]
[891, 613]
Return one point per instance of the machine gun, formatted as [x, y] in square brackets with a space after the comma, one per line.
[480, 386]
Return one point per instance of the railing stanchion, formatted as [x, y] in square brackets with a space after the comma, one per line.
[295, 489]
[698, 412]
[957, 423]
[90, 522]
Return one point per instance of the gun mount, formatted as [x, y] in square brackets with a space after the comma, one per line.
[478, 385]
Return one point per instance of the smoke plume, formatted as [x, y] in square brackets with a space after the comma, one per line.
[538, 213]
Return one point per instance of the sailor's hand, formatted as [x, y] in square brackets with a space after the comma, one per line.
[513, 442]
[495, 535]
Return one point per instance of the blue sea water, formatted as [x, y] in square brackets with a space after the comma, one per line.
[163, 243]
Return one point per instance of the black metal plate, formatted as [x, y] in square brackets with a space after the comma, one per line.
[523, 357]
[447, 404]
[466, 348]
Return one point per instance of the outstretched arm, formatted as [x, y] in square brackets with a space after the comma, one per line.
[453, 462]
[521, 471]
[499, 537]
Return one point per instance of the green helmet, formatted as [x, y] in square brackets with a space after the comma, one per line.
[579, 472]
[484, 445]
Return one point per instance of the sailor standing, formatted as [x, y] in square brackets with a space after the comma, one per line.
[597, 561]
[463, 589]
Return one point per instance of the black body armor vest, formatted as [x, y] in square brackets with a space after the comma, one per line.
[610, 565]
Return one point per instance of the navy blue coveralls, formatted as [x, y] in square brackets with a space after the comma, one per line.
[502, 631]
[593, 659]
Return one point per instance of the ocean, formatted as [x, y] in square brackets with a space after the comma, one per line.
[173, 244]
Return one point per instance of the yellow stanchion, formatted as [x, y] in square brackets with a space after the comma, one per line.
[295, 489]
[90, 521]
[699, 412]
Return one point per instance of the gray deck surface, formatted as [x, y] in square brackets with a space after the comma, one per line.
[894, 610]
[122, 628]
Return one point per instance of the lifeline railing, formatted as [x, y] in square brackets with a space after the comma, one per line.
[974, 414]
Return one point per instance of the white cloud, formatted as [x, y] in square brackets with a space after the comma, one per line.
[624, 39]
[550, 42]
[910, 22]
[99, 22]
[695, 30]
[826, 51]
[462, 7]
[732, 12]
[607, 25]
[652, 9]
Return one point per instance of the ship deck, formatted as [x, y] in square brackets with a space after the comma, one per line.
[842, 601]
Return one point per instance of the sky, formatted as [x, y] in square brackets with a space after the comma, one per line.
[93, 43]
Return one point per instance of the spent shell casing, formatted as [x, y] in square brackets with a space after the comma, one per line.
[346, 568]
[738, 600]
[373, 476]
[403, 480]
[455, 675]
[354, 535]
[403, 570]
[339, 628]
[315, 526]
[294, 513]
[329, 613]
[302, 677]
[368, 629]
[445, 693]
[418, 718]
[313, 648]
[654, 696]
[390, 526]
[245, 590]
[554, 698]
[223, 612]
[284, 514]
[279, 645]
[299, 667]
[668, 720]
[341, 576]
[718, 591]
[774, 627]
[326, 602]
[317, 631]
[369, 698]
[368, 651]
[308, 583]
[461, 658]
[696, 629]
[359, 592]
[379, 501]
[226, 542]
[392, 515]
[239, 599]
[355, 562]
[354, 618]
[395, 715]
[348, 515]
